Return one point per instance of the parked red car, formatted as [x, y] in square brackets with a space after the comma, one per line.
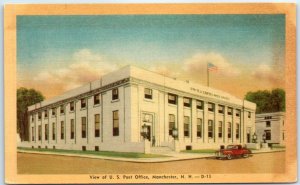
[233, 151]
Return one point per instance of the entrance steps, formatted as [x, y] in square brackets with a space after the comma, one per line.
[161, 150]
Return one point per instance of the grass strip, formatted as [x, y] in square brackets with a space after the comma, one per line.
[204, 151]
[97, 153]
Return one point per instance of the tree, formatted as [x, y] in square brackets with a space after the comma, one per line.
[267, 101]
[25, 98]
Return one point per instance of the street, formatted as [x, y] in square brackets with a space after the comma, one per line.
[53, 164]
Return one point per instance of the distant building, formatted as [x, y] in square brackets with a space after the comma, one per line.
[111, 113]
[272, 125]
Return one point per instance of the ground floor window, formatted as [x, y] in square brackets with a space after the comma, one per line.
[186, 126]
[210, 129]
[62, 130]
[83, 127]
[46, 131]
[53, 131]
[229, 130]
[199, 127]
[237, 131]
[171, 123]
[72, 129]
[32, 134]
[116, 123]
[220, 129]
[40, 132]
[97, 125]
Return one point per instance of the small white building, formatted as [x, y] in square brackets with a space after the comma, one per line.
[109, 114]
[272, 126]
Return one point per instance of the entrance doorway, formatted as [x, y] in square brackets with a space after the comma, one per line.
[147, 119]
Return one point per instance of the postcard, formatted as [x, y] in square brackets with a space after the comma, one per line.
[150, 93]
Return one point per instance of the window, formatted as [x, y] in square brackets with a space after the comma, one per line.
[268, 134]
[83, 127]
[282, 135]
[282, 122]
[210, 129]
[199, 104]
[238, 113]
[229, 130]
[32, 134]
[46, 131]
[148, 93]
[220, 129]
[115, 94]
[171, 124]
[199, 127]
[229, 111]
[172, 99]
[221, 109]
[249, 114]
[211, 107]
[62, 109]
[46, 113]
[53, 111]
[32, 117]
[96, 99]
[186, 122]
[39, 115]
[53, 131]
[187, 102]
[268, 117]
[83, 103]
[72, 106]
[97, 125]
[62, 130]
[237, 132]
[268, 123]
[115, 123]
[72, 129]
[40, 132]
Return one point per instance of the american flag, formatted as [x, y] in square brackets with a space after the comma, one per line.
[212, 67]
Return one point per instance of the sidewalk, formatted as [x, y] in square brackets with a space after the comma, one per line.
[172, 156]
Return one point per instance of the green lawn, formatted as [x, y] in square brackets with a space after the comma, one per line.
[98, 153]
[204, 151]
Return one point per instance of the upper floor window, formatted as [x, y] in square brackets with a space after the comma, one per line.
[229, 111]
[83, 103]
[115, 94]
[172, 99]
[39, 115]
[46, 113]
[199, 104]
[187, 102]
[211, 107]
[62, 109]
[53, 111]
[96, 99]
[221, 109]
[238, 113]
[148, 93]
[72, 106]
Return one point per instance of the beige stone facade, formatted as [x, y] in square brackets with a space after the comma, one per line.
[108, 114]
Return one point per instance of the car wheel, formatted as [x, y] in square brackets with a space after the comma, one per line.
[229, 156]
[245, 155]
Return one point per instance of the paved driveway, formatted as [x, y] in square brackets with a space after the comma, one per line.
[52, 164]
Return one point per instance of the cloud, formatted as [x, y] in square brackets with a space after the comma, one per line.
[86, 66]
[265, 72]
[198, 63]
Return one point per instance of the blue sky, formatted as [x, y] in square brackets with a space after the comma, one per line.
[242, 42]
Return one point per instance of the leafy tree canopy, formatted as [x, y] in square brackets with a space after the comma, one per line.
[267, 101]
[25, 98]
